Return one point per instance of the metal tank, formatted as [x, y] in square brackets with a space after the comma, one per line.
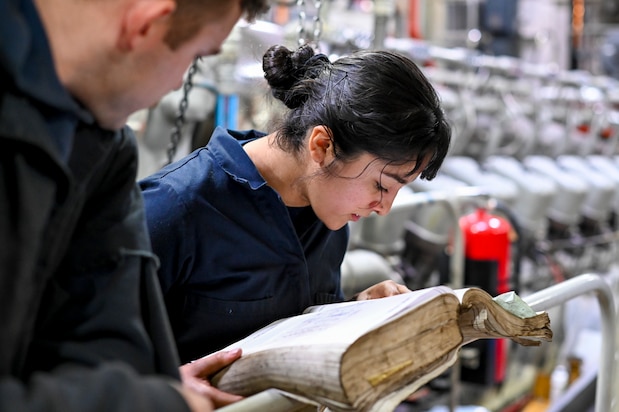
[536, 193]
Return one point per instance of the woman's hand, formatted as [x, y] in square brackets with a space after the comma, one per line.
[382, 290]
[196, 373]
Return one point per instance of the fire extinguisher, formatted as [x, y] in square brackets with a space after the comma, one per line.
[487, 265]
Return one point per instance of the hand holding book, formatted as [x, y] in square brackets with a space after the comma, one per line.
[371, 354]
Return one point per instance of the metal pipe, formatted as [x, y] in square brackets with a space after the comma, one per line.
[453, 203]
[560, 293]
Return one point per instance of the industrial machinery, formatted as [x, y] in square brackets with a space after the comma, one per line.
[527, 199]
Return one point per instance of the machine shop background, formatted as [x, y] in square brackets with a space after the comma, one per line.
[531, 88]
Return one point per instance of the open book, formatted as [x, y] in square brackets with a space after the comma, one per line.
[370, 355]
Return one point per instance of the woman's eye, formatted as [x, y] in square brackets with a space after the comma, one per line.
[380, 187]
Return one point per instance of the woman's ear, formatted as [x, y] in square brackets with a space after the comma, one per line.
[320, 145]
[140, 18]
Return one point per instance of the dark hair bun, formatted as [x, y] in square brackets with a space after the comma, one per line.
[284, 68]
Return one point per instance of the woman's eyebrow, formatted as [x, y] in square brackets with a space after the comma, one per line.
[397, 178]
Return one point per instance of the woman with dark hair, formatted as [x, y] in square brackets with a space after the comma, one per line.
[253, 227]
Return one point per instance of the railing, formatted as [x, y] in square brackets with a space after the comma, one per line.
[562, 292]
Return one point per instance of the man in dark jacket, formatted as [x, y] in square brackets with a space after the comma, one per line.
[82, 321]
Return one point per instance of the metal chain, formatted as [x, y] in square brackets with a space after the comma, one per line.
[188, 84]
[179, 122]
[301, 28]
[316, 25]
[317, 28]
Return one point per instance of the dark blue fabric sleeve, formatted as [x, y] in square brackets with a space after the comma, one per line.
[165, 218]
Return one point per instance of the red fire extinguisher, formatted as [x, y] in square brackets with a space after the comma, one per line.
[487, 265]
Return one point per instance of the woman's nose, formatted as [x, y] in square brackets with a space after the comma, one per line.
[382, 206]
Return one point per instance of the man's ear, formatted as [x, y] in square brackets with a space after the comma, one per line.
[139, 19]
[320, 144]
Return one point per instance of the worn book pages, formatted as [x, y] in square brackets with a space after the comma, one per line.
[506, 315]
[370, 355]
[338, 323]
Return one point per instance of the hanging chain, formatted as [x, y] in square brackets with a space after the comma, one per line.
[182, 110]
[301, 28]
[316, 24]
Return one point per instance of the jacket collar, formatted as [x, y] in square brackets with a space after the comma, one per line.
[227, 149]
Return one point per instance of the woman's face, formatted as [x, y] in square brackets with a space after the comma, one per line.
[355, 189]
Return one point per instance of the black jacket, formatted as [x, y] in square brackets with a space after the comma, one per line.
[81, 316]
